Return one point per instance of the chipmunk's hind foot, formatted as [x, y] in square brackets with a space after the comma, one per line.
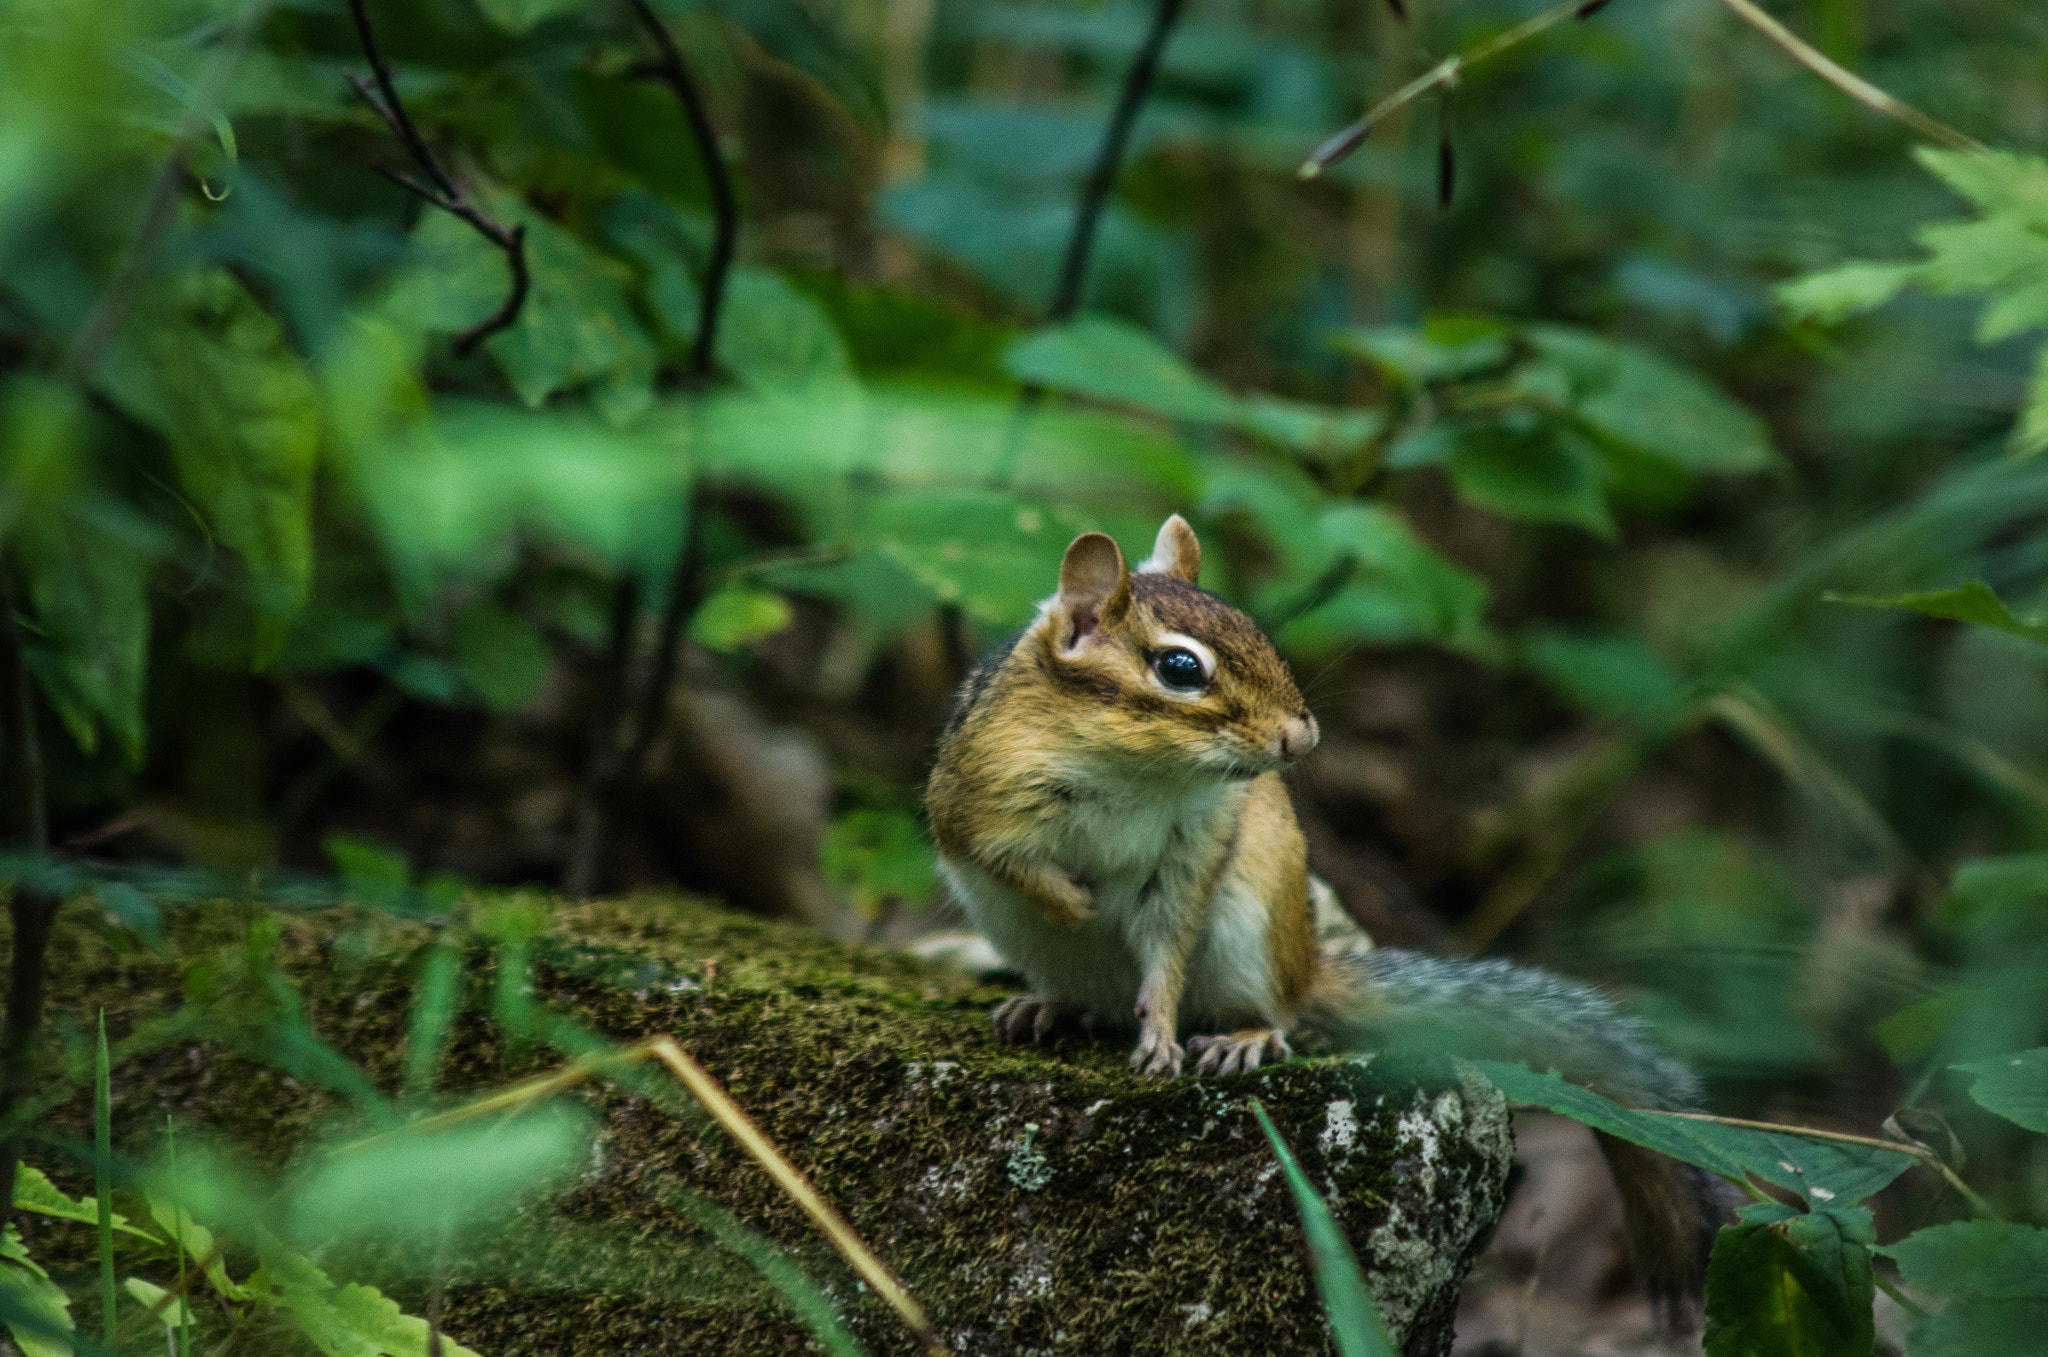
[1239, 1052]
[1027, 1019]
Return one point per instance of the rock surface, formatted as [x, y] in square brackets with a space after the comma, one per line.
[1135, 1218]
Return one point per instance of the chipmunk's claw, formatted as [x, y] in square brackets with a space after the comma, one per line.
[1027, 1019]
[1158, 1055]
[1239, 1052]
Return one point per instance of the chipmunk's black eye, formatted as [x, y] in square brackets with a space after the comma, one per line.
[1179, 669]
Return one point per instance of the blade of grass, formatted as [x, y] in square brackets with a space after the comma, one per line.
[811, 1305]
[103, 1175]
[432, 1017]
[1354, 1317]
[178, 1236]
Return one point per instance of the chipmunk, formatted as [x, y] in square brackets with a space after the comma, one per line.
[1108, 807]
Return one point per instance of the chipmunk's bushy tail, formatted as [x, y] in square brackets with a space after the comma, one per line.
[1495, 1010]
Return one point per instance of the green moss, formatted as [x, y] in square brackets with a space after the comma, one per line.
[1162, 1226]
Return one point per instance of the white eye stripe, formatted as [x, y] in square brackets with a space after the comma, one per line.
[1174, 640]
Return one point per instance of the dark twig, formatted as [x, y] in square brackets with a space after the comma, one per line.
[33, 910]
[616, 765]
[725, 215]
[685, 592]
[1109, 161]
[600, 777]
[443, 192]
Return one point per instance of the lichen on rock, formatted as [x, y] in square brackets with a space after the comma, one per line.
[1039, 1201]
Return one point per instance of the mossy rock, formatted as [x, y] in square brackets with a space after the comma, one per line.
[1142, 1218]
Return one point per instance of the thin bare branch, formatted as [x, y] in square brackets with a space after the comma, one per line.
[1851, 84]
[443, 193]
[1445, 72]
[1109, 161]
[724, 206]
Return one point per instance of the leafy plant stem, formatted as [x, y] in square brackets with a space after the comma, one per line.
[685, 592]
[1918, 1151]
[593, 808]
[1906, 1302]
[1847, 81]
[32, 909]
[1109, 159]
[443, 192]
[725, 215]
[103, 1176]
[178, 1239]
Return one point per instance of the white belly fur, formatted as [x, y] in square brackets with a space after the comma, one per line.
[1229, 979]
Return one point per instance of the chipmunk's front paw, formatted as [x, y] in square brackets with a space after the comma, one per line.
[1026, 1019]
[1240, 1051]
[1158, 1055]
[1068, 901]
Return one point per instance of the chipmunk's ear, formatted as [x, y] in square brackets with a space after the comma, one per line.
[1175, 553]
[1095, 588]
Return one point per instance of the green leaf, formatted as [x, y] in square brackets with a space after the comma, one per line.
[576, 330]
[1846, 290]
[2013, 1086]
[880, 858]
[87, 587]
[346, 1321]
[1546, 476]
[33, 1191]
[735, 616]
[773, 335]
[1787, 1285]
[1980, 1329]
[412, 1186]
[1111, 360]
[1445, 347]
[1988, 886]
[1971, 602]
[503, 657]
[2031, 435]
[198, 1242]
[211, 369]
[173, 1314]
[1319, 433]
[374, 877]
[1608, 675]
[1348, 1303]
[1633, 398]
[993, 554]
[35, 1309]
[1830, 1174]
[1974, 1259]
[516, 16]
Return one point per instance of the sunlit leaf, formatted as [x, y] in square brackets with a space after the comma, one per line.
[735, 616]
[516, 16]
[34, 1308]
[1632, 397]
[880, 858]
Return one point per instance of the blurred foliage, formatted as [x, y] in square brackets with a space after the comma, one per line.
[1555, 496]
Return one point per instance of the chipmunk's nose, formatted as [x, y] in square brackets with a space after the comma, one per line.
[1297, 737]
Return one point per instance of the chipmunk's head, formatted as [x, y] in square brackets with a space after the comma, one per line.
[1171, 674]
